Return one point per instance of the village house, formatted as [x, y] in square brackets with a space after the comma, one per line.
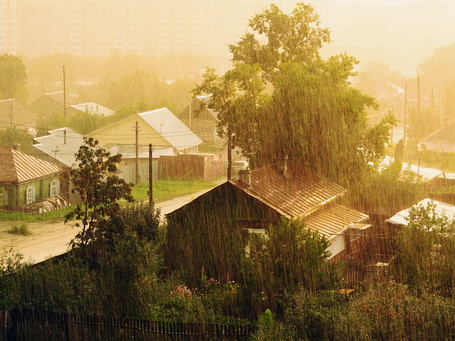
[260, 198]
[14, 114]
[53, 103]
[201, 120]
[159, 127]
[30, 184]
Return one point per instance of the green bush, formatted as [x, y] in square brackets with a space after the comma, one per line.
[22, 229]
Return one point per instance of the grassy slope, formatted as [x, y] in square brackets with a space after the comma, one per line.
[162, 190]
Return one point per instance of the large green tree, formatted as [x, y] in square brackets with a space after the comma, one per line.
[13, 77]
[281, 99]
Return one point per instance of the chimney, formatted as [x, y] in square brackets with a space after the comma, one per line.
[245, 177]
[64, 136]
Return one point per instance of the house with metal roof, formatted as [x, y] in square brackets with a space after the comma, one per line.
[441, 141]
[59, 147]
[53, 103]
[91, 108]
[29, 183]
[440, 208]
[159, 127]
[259, 199]
[13, 114]
[201, 119]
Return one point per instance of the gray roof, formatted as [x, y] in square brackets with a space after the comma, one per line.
[93, 108]
[11, 111]
[171, 128]
[204, 99]
[441, 208]
[66, 150]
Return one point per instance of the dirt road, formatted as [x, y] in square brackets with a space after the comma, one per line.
[52, 238]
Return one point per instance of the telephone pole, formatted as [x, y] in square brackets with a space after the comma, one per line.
[150, 174]
[229, 156]
[137, 152]
[405, 104]
[64, 93]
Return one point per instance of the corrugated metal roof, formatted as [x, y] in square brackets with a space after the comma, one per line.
[17, 167]
[441, 208]
[333, 220]
[293, 194]
[93, 108]
[65, 154]
[171, 128]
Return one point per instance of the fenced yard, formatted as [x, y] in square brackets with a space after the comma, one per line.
[24, 324]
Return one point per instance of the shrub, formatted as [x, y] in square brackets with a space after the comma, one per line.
[22, 229]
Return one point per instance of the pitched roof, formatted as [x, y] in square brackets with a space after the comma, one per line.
[442, 140]
[204, 99]
[66, 150]
[401, 218]
[17, 167]
[58, 97]
[333, 220]
[292, 193]
[93, 108]
[171, 128]
[11, 111]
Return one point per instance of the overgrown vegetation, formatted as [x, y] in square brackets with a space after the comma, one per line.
[196, 268]
[21, 229]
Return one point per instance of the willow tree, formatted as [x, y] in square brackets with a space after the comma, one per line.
[281, 99]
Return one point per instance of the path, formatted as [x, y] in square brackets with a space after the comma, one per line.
[50, 239]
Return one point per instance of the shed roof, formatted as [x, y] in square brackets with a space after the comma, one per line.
[56, 146]
[401, 218]
[171, 128]
[17, 167]
[292, 193]
[332, 220]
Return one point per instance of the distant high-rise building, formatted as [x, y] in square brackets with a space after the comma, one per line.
[96, 27]
[8, 26]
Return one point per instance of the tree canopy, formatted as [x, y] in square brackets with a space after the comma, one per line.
[13, 77]
[281, 99]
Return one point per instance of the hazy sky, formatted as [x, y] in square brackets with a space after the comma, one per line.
[383, 2]
[400, 33]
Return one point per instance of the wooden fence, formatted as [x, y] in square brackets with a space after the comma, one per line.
[38, 325]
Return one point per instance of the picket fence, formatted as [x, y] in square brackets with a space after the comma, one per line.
[25, 324]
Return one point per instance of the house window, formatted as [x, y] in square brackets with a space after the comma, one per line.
[261, 232]
[30, 195]
[54, 188]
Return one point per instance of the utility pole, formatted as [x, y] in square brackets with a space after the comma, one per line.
[405, 104]
[229, 156]
[64, 93]
[150, 174]
[190, 113]
[418, 95]
[137, 152]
